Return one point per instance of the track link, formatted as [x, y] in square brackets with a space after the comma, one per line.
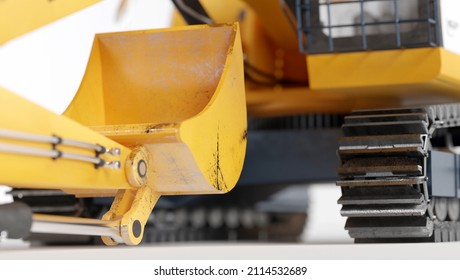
[383, 174]
[223, 223]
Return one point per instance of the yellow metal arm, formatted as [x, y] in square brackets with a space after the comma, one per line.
[18, 115]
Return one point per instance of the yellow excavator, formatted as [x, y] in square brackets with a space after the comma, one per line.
[306, 64]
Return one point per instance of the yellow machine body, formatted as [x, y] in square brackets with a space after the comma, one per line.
[329, 83]
[339, 83]
[435, 71]
[171, 102]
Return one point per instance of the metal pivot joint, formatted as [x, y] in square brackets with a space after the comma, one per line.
[136, 167]
[131, 208]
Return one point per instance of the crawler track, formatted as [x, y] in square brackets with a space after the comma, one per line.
[383, 175]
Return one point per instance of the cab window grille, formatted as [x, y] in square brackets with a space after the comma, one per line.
[326, 26]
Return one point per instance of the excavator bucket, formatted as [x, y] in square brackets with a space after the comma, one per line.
[177, 93]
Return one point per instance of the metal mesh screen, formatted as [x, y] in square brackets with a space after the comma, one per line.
[327, 26]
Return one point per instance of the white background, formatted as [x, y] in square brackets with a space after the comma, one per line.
[47, 65]
[450, 22]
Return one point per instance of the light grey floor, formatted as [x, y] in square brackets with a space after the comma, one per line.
[324, 238]
[247, 252]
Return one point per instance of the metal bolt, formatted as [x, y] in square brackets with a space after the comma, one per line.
[137, 228]
[142, 168]
[137, 166]
[113, 164]
[115, 152]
